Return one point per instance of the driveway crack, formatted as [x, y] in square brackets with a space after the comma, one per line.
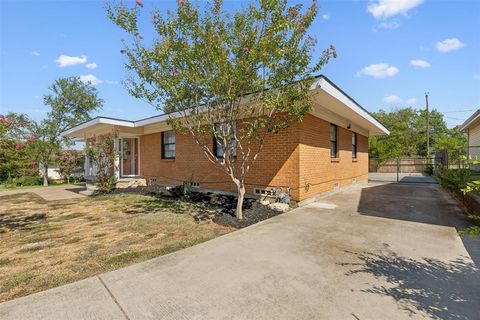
[113, 298]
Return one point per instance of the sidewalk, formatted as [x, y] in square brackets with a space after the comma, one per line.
[62, 192]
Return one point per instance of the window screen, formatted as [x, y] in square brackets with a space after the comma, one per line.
[219, 152]
[333, 141]
[168, 145]
[354, 145]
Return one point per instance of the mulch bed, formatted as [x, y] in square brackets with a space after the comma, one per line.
[223, 206]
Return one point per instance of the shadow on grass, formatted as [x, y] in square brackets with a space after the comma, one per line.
[11, 222]
[445, 290]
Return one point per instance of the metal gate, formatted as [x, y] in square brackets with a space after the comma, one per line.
[405, 170]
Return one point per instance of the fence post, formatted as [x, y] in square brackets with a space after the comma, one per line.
[398, 167]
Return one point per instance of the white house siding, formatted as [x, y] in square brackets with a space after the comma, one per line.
[474, 143]
[52, 172]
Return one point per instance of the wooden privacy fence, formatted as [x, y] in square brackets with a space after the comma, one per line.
[404, 165]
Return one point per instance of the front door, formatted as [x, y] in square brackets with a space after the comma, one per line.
[129, 157]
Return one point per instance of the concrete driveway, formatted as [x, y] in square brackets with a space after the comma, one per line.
[386, 251]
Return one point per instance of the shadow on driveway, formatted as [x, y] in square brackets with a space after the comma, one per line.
[448, 290]
[442, 290]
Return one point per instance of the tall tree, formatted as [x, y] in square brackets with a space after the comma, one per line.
[15, 135]
[407, 134]
[71, 101]
[202, 63]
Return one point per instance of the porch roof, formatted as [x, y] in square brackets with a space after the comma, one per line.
[330, 100]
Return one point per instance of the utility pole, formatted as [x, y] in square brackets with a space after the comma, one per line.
[427, 123]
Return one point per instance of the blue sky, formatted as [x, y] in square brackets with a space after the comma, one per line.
[389, 53]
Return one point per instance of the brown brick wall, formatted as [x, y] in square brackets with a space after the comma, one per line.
[298, 157]
[277, 164]
[319, 172]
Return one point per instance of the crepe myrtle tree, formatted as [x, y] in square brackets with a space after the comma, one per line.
[71, 101]
[236, 77]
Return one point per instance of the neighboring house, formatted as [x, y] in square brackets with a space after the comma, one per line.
[472, 127]
[329, 149]
[52, 171]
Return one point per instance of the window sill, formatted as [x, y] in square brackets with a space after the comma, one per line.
[355, 160]
[168, 159]
[335, 159]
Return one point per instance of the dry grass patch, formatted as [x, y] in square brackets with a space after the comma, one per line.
[47, 244]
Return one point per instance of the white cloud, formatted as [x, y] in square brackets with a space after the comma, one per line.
[111, 82]
[379, 70]
[35, 53]
[411, 102]
[65, 61]
[390, 25]
[392, 99]
[449, 44]
[92, 65]
[382, 9]
[325, 17]
[420, 63]
[476, 76]
[90, 78]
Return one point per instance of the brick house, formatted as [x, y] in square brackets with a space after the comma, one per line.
[327, 150]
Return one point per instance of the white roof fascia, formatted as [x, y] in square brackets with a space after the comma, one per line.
[98, 120]
[326, 86]
[470, 120]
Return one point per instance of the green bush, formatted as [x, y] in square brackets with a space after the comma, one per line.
[106, 186]
[454, 179]
[10, 183]
[29, 181]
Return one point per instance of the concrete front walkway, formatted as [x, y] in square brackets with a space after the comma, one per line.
[386, 251]
[62, 192]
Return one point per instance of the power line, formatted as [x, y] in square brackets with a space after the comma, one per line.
[453, 118]
[458, 111]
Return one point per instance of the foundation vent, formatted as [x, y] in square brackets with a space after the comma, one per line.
[263, 192]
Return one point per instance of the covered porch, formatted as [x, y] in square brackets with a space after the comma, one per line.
[127, 146]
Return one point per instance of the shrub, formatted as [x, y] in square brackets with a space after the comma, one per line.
[29, 181]
[454, 180]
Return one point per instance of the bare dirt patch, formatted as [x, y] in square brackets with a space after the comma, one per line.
[47, 244]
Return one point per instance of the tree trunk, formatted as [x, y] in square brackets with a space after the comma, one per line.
[45, 175]
[241, 195]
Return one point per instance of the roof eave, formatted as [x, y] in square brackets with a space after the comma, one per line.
[475, 116]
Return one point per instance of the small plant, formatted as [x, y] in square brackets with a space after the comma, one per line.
[186, 190]
[106, 186]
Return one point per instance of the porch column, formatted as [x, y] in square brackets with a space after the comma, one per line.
[86, 166]
[116, 163]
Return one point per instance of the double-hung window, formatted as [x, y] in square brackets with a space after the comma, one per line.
[333, 141]
[354, 145]
[168, 144]
[222, 130]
